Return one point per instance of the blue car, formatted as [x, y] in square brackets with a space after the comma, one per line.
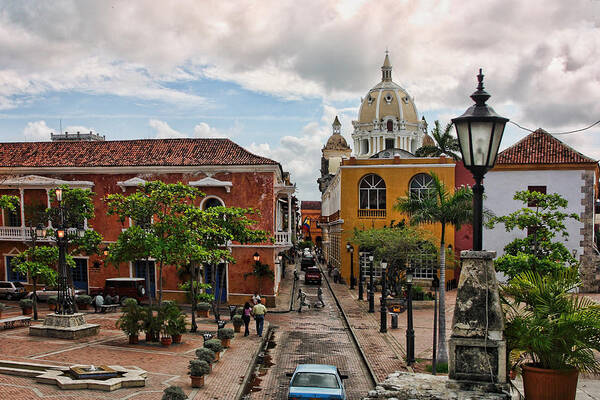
[316, 381]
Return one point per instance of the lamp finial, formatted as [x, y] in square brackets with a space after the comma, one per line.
[480, 96]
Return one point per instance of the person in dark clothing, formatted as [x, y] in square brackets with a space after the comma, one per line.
[320, 296]
[246, 317]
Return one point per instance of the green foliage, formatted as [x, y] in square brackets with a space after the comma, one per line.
[200, 290]
[83, 299]
[37, 263]
[78, 205]
[8, 202]
[214, 344]
[536, 252]
[53, 300]
[130, 321]
[445, 143]
[174, 393]
[25, 303]
[260, 271]
[206, 354]
[152, 324]
[199, 368]
[442, 368]
[305, 243]
[225, 333]
[203, 306]
[173, 318]
[237, 320]
[549, 324]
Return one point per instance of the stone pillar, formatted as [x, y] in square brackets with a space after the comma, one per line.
[477, 351]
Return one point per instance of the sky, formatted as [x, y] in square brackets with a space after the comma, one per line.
[272, 75]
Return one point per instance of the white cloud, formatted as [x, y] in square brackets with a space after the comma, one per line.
[202, 130]
[37, 131]
[163, 130]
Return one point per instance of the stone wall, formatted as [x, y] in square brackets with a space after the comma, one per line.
[590, 258]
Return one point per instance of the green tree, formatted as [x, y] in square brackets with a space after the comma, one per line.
[445, 143]
[260, 271]
[439, 205]
[544, 221]
[38, 262]
[397, 246]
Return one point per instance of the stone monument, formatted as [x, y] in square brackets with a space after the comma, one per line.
[64, 326]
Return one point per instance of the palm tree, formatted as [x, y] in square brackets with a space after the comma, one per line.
[441, 206]
[445, 143]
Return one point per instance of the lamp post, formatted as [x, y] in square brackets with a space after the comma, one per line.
[65, 304]
[350, 249]
[256, 257]
[280, 259]
[371, 293]
[410, 333]
[38, 232]
[479, 132]
[435, 284]
[361, 256]
[383, 317]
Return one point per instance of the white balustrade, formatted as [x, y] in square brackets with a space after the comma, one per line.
[282, 238]
[19, 233]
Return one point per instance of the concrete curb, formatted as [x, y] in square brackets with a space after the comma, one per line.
[352, 333]
[252, 365]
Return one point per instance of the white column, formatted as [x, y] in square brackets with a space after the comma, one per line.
[48, 197]
[22, 193]
[289, 218]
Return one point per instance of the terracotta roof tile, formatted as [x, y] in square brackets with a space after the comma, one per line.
[540, 147]
[310, 205]
[124, 153]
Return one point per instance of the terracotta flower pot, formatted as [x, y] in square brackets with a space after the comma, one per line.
[237, 328]
[27, 311]
[217, 356]
[225, 342]
[51, 307]
[202, 313]
[134, 339]
[83, 306]
[197, 381]
[0, 314]
[549, 384]
[166, 341]
[176, 338]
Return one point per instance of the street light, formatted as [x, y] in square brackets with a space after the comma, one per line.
[435, 284]
[280, 259]
[410, 333]
[361, 257]
[350, 249]
[65, 304]
[383, 317]
[371, 293]
[479, 132]
[256, 257]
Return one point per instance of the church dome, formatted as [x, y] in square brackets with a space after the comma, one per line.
[336, 141]
[388, 101]
[428, 140]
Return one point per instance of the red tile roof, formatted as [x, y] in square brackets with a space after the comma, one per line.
[540, 147]
[125, 153]
[310, 205]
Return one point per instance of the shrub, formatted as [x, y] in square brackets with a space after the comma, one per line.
[199, 368]
[131, 302]
[83, 299]
[225, 333]
[205, 354]
[2, 306]
[203, 306]
[130, 321]
[53, 300]
[237, 320]
[25, 303]
[173, 393]
[239, 311]
[214, 344]
[439, 367]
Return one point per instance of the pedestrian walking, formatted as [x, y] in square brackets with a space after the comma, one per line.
[336, 275]
[255, 299]
[246, 317]
[296, 275]
[302, 298]
[259, 311]
[320, 296]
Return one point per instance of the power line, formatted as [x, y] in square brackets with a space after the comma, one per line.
[558, 133]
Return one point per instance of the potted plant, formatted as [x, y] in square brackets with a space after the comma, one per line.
[130, 321]
[83, 301]
[2, 307]
[203, 309]
[26, 305]
[174, 393]
[216, 346]
[165, 337]
[151, 323]
[237, 322]
[225, 334]
[198, 368]
[52, 301]
[174, 321]
[206, 354]
[554, 331]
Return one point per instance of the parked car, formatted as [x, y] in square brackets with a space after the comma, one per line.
[316, 381]
[312, 275]
[43, 294]
[307, 262]
[124, 288]
[12, 290]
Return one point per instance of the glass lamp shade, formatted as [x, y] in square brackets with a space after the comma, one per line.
[40, 231]
[60, 233]
[383, 265]
[80, 233]
[58, 192]
[371, 258]
[256, 257]
[409, 276]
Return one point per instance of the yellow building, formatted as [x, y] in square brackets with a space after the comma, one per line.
[359, 192]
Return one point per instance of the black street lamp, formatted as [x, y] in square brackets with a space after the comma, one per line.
[435, 284]
[383, 317]
[479, 132]
[350, 249]
[38, 232]
[256, 257]
[361, 278]
[65, 304]
[410, 333]
[280, 259]
[371, 292]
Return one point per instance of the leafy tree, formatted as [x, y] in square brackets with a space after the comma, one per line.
[38, 262]
[445, 143]
[544, 221]
[260, 272]
[396, 245]
[439, 205]
[9, 202]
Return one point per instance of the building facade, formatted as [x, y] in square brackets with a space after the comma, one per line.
[228, 175]
[310, 212]
[541, 162]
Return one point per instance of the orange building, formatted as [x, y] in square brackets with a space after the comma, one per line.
[310, 212]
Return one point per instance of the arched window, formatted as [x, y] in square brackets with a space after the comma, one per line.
[372, 193]
[211, 202]
[420, 185]
[390, 125]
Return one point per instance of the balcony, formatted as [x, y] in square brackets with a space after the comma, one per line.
[22, 234]
[282, 238]
[371, 213]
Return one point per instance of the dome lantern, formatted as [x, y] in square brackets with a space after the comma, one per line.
[386, 69]
[337, 126]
